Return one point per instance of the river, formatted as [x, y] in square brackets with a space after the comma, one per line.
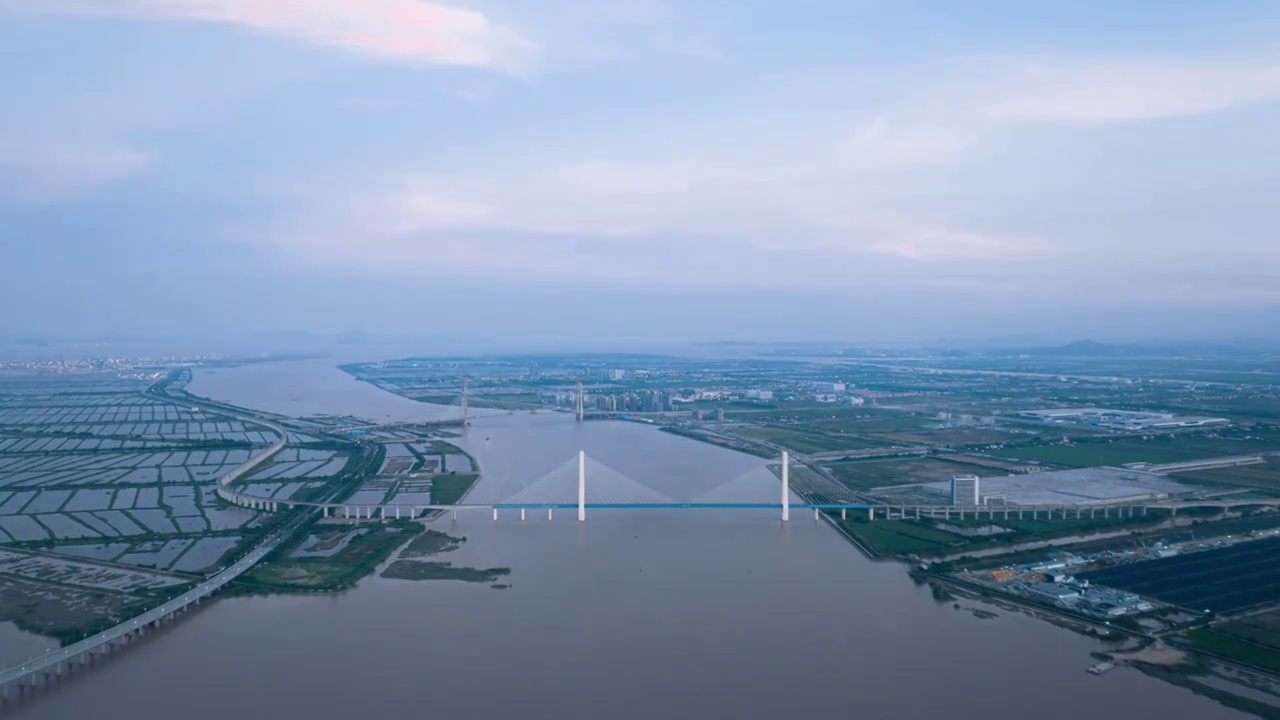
[634, 614]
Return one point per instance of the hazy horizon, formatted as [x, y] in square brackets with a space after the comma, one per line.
[642, 171]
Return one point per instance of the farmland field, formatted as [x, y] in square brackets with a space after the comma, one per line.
[1167, 449]
[1265, 476]
[862, 475]
[802, 441]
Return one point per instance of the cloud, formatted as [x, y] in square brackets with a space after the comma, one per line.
[898, 185]
[1113, 91]
[944, 245]
[398, 30]
[49, 172]
[953, 112]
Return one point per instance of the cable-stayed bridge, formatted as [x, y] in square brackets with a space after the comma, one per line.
[584, 484]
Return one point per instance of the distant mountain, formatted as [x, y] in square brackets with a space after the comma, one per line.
[1092, 348]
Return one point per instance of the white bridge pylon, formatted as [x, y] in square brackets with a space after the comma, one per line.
[786, 486]
[560, 487]
[564, 486]
[582, 476]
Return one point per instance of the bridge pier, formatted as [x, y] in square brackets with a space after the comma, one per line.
[548, 514]
[844, 513]
[917, 512]
[397, 512]
[582, 476]
[455, 515]
[815, 514]
[871, 513]
[786, 486]
[495, 514]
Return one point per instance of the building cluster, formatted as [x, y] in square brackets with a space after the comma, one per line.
[649, 401]
[132, 367]
[952, 419]
[1050, 581]
[637, 401]
[1130, 420]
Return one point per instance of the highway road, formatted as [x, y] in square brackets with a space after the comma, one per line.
[46, 663]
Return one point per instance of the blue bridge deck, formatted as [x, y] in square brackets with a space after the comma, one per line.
[677, 505]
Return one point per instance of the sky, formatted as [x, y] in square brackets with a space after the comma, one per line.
[641, 170]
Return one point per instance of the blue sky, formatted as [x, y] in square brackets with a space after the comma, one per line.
[641, 169]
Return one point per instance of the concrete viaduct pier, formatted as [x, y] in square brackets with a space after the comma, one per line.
[47, 670]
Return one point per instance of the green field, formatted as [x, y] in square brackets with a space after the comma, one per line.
[906, 537]
[899, 538]
[1237, 649]
[1264, 476]
[1167, 449]
[862, 475]
[340, 571]
[805, 442]
[449, 489]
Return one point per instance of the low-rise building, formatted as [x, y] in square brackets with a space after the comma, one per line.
[1050, 591]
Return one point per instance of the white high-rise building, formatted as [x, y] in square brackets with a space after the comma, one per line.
[964, 490]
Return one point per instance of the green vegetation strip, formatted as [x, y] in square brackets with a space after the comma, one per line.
[418, 570]
[337, 572]
[450, 489]
[1236, 649]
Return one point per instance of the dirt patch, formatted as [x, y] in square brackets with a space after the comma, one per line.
[1157, 654]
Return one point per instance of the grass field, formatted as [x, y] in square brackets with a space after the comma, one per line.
[1216, 642]
[360, 557]
[877, 422]
[449, 489]
[1167, 449]
[899, 538]
[948, 436]
[862, 475]
[1258, 629]
[1264, 476]
[802, 441]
